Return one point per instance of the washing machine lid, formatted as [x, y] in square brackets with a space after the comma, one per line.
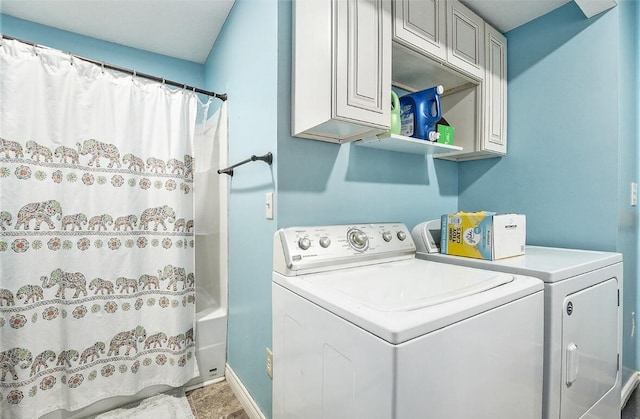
[399, 301]
[410, 286]
[550, 264]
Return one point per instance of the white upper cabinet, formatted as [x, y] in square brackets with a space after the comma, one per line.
[341, 69]
[495, 92]
[421, 26]
[447, 32]
[472, 70]
[347, 54]
[478, 112]
[465, 39]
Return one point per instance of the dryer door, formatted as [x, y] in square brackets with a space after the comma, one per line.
[590, 347]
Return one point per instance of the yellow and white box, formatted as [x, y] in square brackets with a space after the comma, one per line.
[483, 235]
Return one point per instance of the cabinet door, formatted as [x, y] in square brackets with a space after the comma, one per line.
[421, 26]
[495, 92]
[362, 56]
[465, 39]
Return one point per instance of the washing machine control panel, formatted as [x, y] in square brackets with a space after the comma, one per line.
[335, 246]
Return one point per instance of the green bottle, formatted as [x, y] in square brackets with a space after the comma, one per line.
[395, 116]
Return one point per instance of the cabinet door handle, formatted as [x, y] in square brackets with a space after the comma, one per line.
[573, 358]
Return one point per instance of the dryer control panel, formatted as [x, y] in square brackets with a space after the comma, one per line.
[315, 249]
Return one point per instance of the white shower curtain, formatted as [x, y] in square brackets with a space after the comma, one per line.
[96, 233]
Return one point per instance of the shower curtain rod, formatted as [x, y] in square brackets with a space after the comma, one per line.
[221, 96]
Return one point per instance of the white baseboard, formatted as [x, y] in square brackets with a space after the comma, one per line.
[248, 404]
[628, 388]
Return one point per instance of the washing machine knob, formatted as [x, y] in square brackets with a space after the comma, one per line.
[325, 241]
[358, 239]
[304, 243]
[387, 236]
[402, 235]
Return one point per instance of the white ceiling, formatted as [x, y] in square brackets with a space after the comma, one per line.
[505, 15]
[187, 29]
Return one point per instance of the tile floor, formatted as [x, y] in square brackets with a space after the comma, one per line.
[215, 401]
[632, 408]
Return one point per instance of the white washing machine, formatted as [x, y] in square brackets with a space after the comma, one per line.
[583, 321]
[363, 329]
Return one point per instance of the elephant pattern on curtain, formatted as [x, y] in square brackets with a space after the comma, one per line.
[97, 287]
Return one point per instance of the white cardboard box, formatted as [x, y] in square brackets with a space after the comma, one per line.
[483, 235]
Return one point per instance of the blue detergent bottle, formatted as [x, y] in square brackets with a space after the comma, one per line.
[420, 112]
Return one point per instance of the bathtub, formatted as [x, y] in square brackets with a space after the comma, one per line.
[211, 345]
[211, 307]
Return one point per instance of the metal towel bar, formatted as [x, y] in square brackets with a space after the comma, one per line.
[268, 158]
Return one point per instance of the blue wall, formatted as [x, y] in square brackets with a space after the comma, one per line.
[243, 63]
[321, 183]
[563, 133]
[324, 183]
[317, 183]
[158, 65]
[572, 106]
[629, 133]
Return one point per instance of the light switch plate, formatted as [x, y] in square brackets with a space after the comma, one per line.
[269, 363]
[268, 202]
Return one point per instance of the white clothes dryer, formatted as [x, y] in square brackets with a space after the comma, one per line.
[583, 322]
[363, 329]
